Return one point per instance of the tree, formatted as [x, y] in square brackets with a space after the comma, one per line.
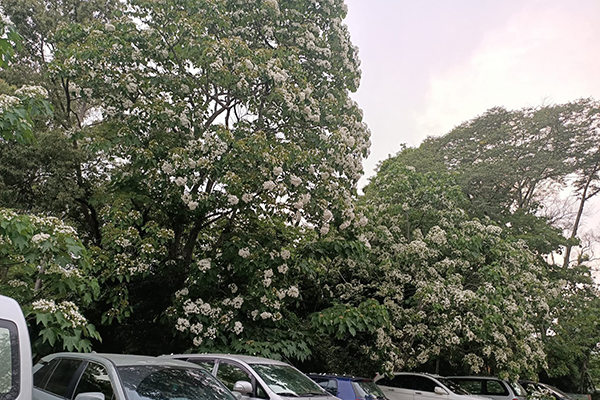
[218, 139]
[460, 292]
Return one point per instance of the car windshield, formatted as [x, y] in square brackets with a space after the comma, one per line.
[287, 381]
[153, 382]
[366, 389]
[454, 387]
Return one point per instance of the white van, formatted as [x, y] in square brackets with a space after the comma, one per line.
[15, 353]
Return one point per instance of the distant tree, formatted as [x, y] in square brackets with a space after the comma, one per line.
[460, 292]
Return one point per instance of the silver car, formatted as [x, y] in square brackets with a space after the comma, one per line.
[258, 378]
[494, 388]
[417, 386]
[94, 376]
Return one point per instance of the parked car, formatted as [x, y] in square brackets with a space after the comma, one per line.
[94, 376]
[416, 386]
[543, 389]
[349, 388]
[257, 377]
[15, 352]
[493, 388]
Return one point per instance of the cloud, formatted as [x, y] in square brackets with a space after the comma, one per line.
[541, 55]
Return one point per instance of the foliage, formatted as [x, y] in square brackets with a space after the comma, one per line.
[44, 267]
[457, 290]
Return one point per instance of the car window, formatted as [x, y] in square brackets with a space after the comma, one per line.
[206, 364]
[518, 389]
[40, 378]
[496, 388]
[287, 380]
[229, 374]
[328, 384]
[453, 387]
[156, 382]
[398, 381]
[424, 384]
[60, 382]
[9, 360]
[367, 388]
[95, 379]
[472, 386]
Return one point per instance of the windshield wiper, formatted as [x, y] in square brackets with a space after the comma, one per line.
[313, 394]
[287, 394]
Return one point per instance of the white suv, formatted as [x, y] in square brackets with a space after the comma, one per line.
[257, 378]
[15, 352]
[416, 386]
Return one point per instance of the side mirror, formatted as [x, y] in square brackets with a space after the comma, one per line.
[243, 387]
[90, 396]
[437, 390]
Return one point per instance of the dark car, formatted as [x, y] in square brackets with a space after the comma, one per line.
[349, 388]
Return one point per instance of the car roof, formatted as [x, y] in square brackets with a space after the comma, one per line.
[489, 378]
[343, 377]
[120, 360]
[232, 357]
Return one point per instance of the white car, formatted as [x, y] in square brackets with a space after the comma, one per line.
[95, 376]
[258, 378]
[417, 386]
[494, 388]
[15, 352]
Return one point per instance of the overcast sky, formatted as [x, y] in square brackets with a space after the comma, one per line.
[428, 65]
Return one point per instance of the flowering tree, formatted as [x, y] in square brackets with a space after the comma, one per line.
[224, 141]
[459, 291]
[45, 267]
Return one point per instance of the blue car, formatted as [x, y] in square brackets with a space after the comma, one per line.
[349, 388]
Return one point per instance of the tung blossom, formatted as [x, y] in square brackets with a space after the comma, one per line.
[244, 253]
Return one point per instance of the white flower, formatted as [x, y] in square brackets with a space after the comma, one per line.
[182, 324]
[295, 180]
[233, 287]
[293, 292]
[265, 315]
[237, 302]
[192, 205]
[244, 253]
[269, 185]
[204, 265]
[31, 91]
[267, 282]
[40, 237]
[197, 341]
[180, 181]
[324, 229]
[238, 327]
[283, 268]
[327, 216]
[277, 171]
[196, 328]
[109, 27]
[232, 200]
[247, 197]
[285, 254]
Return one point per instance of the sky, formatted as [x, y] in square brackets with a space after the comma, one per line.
[429, 65]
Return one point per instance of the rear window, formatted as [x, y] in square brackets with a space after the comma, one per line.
[9, 361]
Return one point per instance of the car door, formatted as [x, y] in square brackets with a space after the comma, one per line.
[230, 372]
[57, 379]
[400, 387]
[424, 389]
